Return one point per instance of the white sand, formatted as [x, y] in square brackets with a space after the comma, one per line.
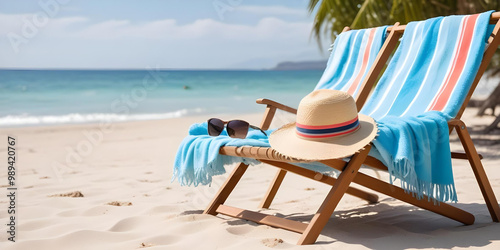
[132, 166]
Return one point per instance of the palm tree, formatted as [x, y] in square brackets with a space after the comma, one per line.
[333, 15]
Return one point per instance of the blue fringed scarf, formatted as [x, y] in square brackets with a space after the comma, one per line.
[416, 150]
[198, 157]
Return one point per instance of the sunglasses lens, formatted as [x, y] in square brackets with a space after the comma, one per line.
[215, 126]
[237, 129]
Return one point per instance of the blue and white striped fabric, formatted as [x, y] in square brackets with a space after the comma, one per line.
[352, 56]
[424, 86]
[433, 67]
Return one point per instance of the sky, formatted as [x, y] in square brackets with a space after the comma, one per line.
[172, 34]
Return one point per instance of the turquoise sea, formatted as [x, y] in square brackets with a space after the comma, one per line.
[42, 97]
[47, 97]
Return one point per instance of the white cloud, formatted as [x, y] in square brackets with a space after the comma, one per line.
[65, 22]
[271, 10]
[169, 29]
[205, 43]
[15, 23]
[106, 29]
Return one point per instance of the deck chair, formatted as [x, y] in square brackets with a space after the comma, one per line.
[349, 170]
[356, 60]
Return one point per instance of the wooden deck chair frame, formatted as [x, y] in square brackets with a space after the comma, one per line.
[349, 170]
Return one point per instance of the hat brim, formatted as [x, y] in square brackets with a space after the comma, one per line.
[286, 142]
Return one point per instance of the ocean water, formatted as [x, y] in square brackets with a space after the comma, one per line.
[46, 97]
[42, 97]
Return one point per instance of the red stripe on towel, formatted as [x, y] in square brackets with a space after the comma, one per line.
[366, 56]
[459, 61]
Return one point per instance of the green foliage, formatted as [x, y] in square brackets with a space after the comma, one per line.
[333, 15]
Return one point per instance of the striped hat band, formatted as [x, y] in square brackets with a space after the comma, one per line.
[327, 131]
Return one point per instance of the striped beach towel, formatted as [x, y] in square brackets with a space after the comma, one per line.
[424, 86]
[352, 56]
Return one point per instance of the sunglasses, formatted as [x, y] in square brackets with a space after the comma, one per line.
[234, 128]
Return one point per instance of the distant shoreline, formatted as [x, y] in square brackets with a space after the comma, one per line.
[302, 65]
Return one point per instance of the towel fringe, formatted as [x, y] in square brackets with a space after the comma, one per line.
[203, 176]
[418, 188]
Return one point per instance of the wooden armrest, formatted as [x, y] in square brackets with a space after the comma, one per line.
[456, 122]
[276, 105]
[459, 124]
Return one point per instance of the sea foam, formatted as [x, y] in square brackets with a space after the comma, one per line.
[20, 120]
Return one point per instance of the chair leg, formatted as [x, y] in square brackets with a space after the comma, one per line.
[226, 189]
[280, 175]
[273, 189]
[321, 217]
[477, 168]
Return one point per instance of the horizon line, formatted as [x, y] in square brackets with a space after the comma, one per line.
[145, 69]
[134, 69]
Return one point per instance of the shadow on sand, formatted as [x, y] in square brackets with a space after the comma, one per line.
[382, 226]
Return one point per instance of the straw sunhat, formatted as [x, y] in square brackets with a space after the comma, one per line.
[327, 126]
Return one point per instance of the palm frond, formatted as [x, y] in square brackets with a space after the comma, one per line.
[331, 16]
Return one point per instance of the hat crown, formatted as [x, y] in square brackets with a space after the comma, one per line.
[326, 107]
[325, 113]
[327, 126]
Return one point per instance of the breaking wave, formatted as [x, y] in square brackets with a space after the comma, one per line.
[20, 120]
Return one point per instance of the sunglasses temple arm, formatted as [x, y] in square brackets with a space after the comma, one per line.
[255, 127]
